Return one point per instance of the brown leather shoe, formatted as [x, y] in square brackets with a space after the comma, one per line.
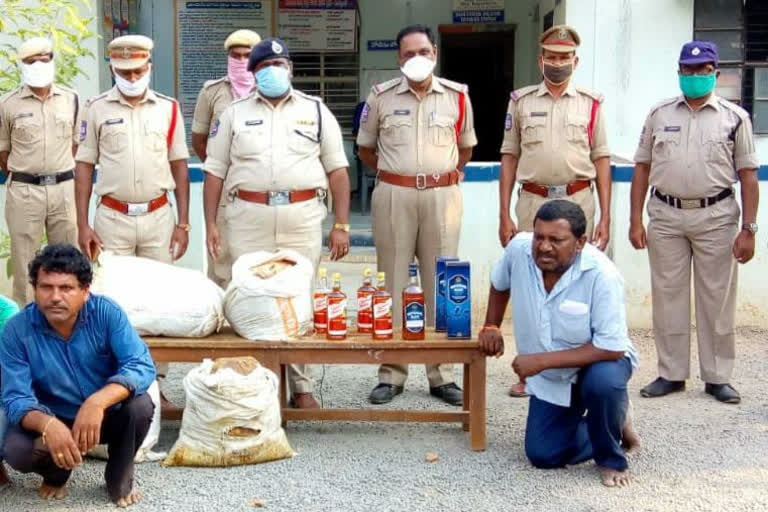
[168, 411]
[304, 401]
[4, 479]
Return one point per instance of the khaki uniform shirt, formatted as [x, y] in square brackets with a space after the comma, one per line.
[214, 97]
[258, 147]
[129, 144]
[39, 134]
[414, 136]
[696, 154]
[550, 137]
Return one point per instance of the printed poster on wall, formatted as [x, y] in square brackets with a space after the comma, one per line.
[478, 11]
[201, 28]
[318, 25]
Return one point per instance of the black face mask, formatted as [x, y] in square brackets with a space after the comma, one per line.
[556, 75]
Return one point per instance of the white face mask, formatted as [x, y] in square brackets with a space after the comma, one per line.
[38, 74]
[418, 68]
[133, 89]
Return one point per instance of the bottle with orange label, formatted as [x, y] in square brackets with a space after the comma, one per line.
[382, 310]
[320, 301]
[337, 311]
[365, 303]
[413, 306]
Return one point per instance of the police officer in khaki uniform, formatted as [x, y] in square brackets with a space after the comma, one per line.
[418, 132]
[273, 155]
[136, 137]
[214, 97]
[555, 145]
[692, 150]
[38, 139]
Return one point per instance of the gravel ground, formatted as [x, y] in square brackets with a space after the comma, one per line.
[697, 455]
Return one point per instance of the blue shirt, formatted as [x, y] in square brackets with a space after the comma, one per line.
[585, 305]
[42, 371]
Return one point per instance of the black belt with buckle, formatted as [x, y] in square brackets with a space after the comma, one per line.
[42, 179]
[689, 204]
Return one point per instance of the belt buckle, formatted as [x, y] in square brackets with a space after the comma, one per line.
[421, 181]
[689, 204]
[279, 197]
[135, 209]
[557, 191]
[48, 179]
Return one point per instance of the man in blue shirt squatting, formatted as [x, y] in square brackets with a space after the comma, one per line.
[573, 349]
[75, 374]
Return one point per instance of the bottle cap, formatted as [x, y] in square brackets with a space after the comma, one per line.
[336, 276]
[367, 272]
[413, 269]
[322, 272]
[381, 276]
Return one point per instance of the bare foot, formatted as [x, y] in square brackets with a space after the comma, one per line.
[630, 441]
[4, 479]
[612, 478]
[518, 390]
[126, 501]
[49, 492]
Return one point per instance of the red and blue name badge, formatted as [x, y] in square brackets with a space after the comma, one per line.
[83, 130]
[215, 129]
[364, 113]
[508, 122]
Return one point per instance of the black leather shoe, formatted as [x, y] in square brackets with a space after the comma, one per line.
[723, 392]
[384, 393]
[661, 387]
[448, 393]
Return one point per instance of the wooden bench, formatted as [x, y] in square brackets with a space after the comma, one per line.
[357, 349]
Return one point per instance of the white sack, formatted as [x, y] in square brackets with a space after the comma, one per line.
[269, 297]
[161, 299]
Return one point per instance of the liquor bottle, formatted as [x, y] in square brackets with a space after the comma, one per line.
[382, 310]
[320, 302]
[413, 306]
[337, 311]
[365, 303]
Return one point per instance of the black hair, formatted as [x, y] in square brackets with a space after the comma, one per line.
[562, 209]
[415, 29]
[61, 259]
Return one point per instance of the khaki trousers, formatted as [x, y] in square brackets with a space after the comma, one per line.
[220, 271]
[30, 209]
[250, 227]
[407, 223]
[146, 236]
[705, 237]
[528, 204]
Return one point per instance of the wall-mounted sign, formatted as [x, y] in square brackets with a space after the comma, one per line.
[318, 25]
[201, 29]
[381, 45]
[478, 11]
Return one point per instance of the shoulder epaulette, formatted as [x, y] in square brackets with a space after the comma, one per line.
[743, 114]
[5, 97]
[592, 94]
[93, 100]
[664, 103]
[455, 86]
[519, 93]
[385, 86]
[209, 83]
[240, 100]
[308, 96]
[167, 98]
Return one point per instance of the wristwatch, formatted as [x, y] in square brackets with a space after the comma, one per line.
[185, 227]
[751, 227]
[343, 227]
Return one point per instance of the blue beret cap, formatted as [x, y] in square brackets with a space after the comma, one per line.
[270, 48]
[699, 52]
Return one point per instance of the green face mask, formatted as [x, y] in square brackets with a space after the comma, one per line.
[696, 86]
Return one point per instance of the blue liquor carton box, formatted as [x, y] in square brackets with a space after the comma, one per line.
[458, 299]
[441, 321]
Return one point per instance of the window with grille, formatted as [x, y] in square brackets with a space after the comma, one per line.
[334, 77]
[740, 30]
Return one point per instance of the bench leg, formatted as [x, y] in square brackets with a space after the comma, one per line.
[467, 394]
[477, 437]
